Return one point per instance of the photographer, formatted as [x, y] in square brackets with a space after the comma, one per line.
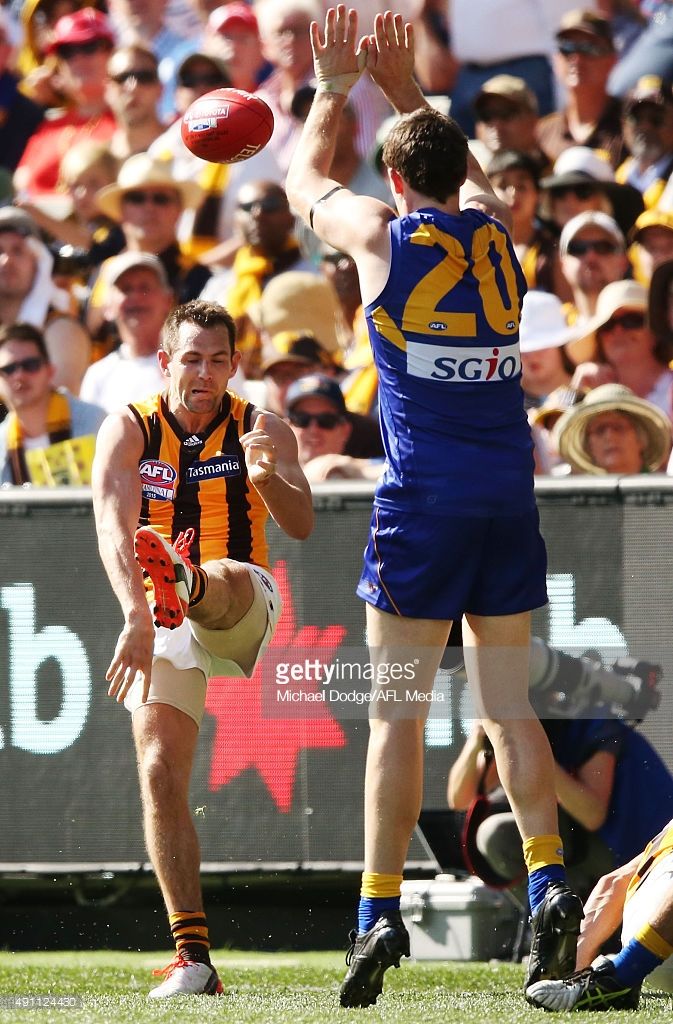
[612, 789]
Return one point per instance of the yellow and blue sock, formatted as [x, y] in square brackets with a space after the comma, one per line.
[645, 951]
[378, 894]
[544, 861]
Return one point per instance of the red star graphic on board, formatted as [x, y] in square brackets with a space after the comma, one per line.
[248, 732]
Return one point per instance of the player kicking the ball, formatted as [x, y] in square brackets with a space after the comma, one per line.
[183, 484]
[455, 527]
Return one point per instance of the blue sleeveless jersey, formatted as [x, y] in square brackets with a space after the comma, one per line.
[445, 337]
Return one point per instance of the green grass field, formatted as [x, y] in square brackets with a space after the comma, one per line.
[280, 988]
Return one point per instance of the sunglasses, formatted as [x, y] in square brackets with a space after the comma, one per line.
[582, 192]
[143, 76]
[324, 420]
[30, 365]
[627, 321]
[138, 198]
[196, 81]
[68, 50]
[490, 114]
[600, 246]
[569, 49]
[270, 204]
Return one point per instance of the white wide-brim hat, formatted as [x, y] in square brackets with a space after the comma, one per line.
[616, 295]
[543, 323]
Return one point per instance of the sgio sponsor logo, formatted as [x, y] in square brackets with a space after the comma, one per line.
[463, 364]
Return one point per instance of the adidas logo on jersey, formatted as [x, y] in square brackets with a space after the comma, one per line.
[194, 441]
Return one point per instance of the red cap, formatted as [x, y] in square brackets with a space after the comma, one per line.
[81, 27]
[235, 14]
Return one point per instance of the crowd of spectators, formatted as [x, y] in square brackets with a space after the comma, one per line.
[107, 220]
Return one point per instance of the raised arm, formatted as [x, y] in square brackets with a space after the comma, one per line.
[477, 191]
[117, 497]
[339, 217]
[273, 469]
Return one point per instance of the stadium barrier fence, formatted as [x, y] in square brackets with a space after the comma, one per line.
[273, 791]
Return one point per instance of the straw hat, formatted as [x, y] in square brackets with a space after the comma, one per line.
[141, 171]
[617, 295]
[570, 432]
[555, 404]
[300, 301]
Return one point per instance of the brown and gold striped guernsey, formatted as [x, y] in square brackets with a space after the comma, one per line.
[653, 852]
[201, 481]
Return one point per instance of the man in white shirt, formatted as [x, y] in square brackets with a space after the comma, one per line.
[519, 41]
[139, 298]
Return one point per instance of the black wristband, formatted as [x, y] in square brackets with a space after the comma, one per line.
[322, 200]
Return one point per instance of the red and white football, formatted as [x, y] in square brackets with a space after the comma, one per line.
[227, 125]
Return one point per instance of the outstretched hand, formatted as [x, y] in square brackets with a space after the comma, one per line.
[390, 51]
[336, 61]
[390, 62]
[132, 659]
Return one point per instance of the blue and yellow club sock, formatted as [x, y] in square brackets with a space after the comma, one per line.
[645, 951]
[378, 894]
[544, 862]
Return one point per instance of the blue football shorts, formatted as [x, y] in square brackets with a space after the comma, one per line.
[440, 567]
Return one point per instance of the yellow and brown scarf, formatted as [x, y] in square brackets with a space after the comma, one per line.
[64, 461]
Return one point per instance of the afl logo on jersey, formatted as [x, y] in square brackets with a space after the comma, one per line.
[463, 364]
[158, 479]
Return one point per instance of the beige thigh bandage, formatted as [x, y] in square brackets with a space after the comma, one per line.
[236, 651]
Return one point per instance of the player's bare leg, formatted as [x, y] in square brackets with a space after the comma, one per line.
[393, 793]
[165, 740]
[497, 651]
[394, 770]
